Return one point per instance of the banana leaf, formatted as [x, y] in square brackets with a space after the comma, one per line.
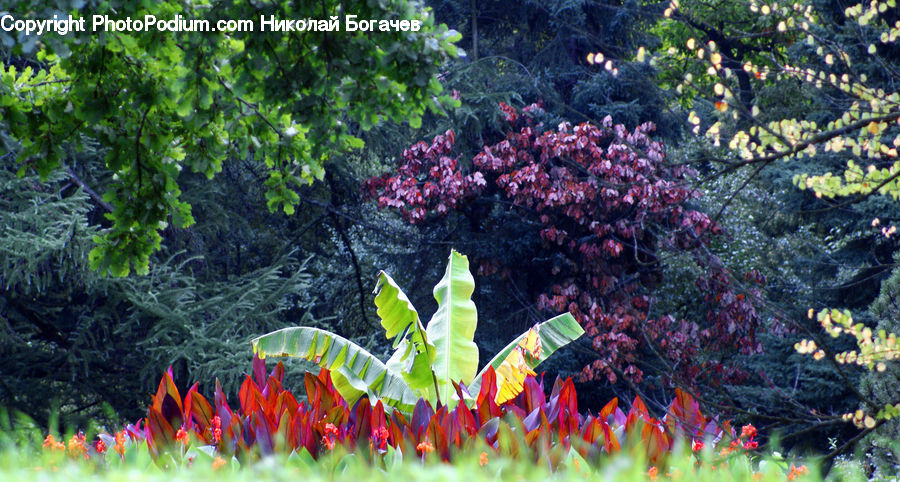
[554, 334]
[452, 328]
[355, 372]
[413, 352]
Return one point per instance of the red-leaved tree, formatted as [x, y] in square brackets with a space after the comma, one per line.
[605, 206]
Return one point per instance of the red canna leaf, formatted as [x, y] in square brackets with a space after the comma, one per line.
[262, 431]
[267, 424]
[467, 422]
[161, 435]
[637, 414]
[259, 372]
[222, 408]
[187, 416]
[273, 390]
[363, 419]
[684, 416]
[171, 411]
[533, 395]
[487, 407]
[399, 431]
[655, 441]
[638, 407]
[488, 387]
[198, 413]
[167, 387]
[421, 417]
[488, 431]
[378, 418]
[608, 409]
[568, 398]
[438, 437]
[282, 439]
[285, 403]
[336, 416]
[278, 372]
[247, 396]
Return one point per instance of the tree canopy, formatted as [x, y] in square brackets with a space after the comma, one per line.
[158, 103]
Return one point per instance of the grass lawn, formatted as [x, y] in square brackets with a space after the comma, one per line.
[27, 460]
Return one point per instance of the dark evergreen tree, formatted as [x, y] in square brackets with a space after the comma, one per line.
[883, 446]
[78, 344]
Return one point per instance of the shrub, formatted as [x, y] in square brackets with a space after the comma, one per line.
[590, 209]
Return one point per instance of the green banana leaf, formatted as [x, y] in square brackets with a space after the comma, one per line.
[554, 334]
[452, 328]
[413, 352]
[354, 371]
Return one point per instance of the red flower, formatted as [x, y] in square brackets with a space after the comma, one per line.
[182, 435]
[697, 445]
[329, 438]
[750, 445]
[380, 438]
[100, 446]
[216, 429]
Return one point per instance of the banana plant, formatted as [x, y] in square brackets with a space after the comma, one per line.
[427, 361]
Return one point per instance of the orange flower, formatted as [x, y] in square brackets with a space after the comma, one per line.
[652, 473]
[182, 435]
[218, 463]
[120, 444]
[425, 447]
[76, 445]
[482, 459]
[328, 442]
[52, 444]
[748, 431]
[797, 471]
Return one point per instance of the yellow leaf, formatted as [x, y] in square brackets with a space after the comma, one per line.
[511, 376]
[512, 372]
[532, 344]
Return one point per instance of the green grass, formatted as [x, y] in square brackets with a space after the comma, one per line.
[25, 460]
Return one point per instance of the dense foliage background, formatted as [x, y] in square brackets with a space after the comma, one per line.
[154, 216]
